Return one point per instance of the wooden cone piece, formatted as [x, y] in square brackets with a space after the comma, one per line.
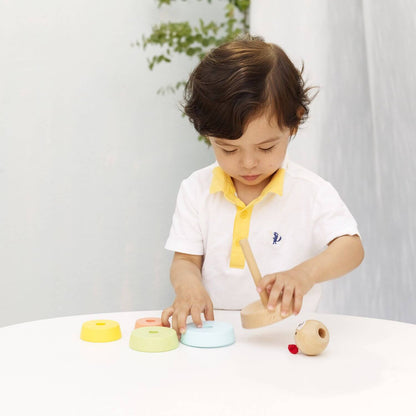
[256, 314]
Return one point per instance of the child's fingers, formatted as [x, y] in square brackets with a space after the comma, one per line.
[209, 312]
[286, 300]
[274, 295]
[182, 321]
[265, 282]
[297, 306]
[196, 315]
[175, 324]
[166, 314]
[179, 321]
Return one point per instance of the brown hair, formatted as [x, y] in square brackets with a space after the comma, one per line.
[243, 79]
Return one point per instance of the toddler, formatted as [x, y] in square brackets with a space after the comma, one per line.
[248, 99]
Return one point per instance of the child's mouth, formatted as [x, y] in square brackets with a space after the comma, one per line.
[250, 178]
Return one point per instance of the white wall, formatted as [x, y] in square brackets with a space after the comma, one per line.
[90, 158]
[361, 133]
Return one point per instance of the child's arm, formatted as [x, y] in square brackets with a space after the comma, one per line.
[191, 296]
[342, 255]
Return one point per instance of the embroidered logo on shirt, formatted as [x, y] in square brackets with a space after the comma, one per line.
[276, 238]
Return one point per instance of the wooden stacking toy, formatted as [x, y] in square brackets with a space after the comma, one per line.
[256, 314]
[143, 322]
[311, 337]
[213, 334]
[153, 339]
[101, 330]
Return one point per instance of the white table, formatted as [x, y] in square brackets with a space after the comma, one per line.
[368, 368]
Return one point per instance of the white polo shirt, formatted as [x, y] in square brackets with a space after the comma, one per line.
[294, 219]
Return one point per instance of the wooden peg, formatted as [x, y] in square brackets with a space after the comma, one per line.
[254, 270]
[256, 314]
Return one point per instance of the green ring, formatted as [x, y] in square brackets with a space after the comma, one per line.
[153, 339]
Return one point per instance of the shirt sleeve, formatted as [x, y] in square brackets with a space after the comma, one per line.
[185, 234]
[331, 217]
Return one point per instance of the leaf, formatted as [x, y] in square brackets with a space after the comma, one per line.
[180, 38]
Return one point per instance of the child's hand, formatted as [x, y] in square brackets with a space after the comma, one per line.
[289, 287]
[192, 302]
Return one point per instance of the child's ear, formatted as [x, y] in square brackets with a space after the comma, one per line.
[299, 114]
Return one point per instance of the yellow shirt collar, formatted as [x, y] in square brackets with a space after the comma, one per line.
[221, 182]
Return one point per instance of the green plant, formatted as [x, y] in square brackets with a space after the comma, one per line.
[176, 38]
[182, 38]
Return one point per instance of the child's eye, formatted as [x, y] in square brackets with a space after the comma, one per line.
[228, 152]
[267, 149]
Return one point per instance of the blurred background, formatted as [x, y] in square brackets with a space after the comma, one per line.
[91, 157]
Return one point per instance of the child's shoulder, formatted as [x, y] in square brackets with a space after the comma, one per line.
[201, 177]
[299, 173]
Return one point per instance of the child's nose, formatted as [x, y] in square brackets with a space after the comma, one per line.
[248, 161]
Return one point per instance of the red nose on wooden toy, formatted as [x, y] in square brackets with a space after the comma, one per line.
[256, 314]
[293, 348]
[311, 337]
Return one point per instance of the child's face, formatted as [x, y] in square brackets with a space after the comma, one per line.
[252, 159]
